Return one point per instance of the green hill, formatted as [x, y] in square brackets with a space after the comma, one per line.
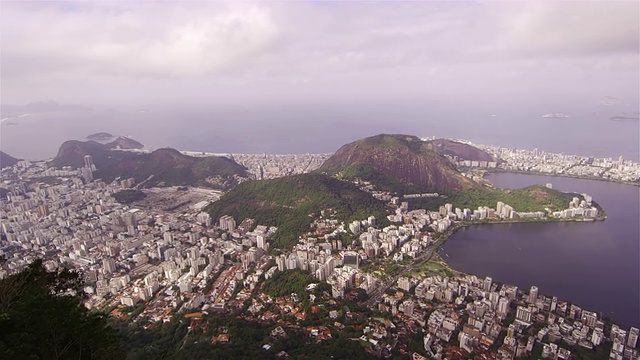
[163, 167]
[531, 198]
[398, 163]
[287, 203]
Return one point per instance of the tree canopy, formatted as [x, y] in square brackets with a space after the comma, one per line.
[42, 317]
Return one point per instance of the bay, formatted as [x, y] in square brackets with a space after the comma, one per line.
[592, 264]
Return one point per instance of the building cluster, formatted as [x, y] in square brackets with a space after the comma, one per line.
[542, 162]
[163, 261]
[269, 166]
[147, 264]
[578, 207]
[473, 314]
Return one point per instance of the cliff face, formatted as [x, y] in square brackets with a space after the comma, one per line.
[402, 157]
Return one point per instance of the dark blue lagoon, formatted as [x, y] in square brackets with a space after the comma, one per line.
[595, 265]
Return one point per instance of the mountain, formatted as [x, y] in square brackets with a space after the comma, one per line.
[7, 160]
[288, 201]
[100, 136]
[163, 167]
[115, 142]
[399, 163]
[125, 143]
[461, 150]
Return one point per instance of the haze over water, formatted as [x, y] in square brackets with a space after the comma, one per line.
[324, 127]
[595, 265]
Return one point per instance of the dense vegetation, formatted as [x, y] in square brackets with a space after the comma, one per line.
[532, 198]
[129, 196]
[42, 317]
[287, 282]
[412, 142]
[365, 172]
[246, 338]
[288, 202]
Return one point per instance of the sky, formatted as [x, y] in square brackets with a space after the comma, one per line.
[146, 54]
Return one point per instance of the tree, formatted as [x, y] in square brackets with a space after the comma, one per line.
[42, 317]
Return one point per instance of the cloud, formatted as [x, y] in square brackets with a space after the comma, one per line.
[179, 50]
[574, 29]
[160, 39]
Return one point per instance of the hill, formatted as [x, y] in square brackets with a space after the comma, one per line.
[122, 142]
[7, 160]
[461, 150]
[531, 198]
[100, 136]
[163, 167]
[287, 203]
[399, 163]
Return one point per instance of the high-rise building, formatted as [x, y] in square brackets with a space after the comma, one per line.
[633, 335]
[503, 306]
[533, 294]
[88, 162]
[227, 223]
[597, 337]
[87, 174]
[487, 283]
[109, 265]
[260, 241]
[524, 314]
[351, 259]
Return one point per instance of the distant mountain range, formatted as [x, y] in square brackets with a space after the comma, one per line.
[163, 167]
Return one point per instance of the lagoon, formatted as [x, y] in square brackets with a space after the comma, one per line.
[595, 265]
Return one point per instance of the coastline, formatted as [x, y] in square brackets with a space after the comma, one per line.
[444, 256]
[442, 238]
[636, 184]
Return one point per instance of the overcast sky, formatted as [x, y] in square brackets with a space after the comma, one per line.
[197, 52]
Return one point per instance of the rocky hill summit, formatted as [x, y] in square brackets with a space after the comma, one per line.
[394, 161]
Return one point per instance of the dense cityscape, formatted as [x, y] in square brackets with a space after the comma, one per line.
[164, 255]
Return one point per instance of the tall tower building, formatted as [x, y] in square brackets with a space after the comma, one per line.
[88, 162]
[503, 306]
[633, 335]
[533, 294]
[227, 223]
[260, 241]
[487, 283]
